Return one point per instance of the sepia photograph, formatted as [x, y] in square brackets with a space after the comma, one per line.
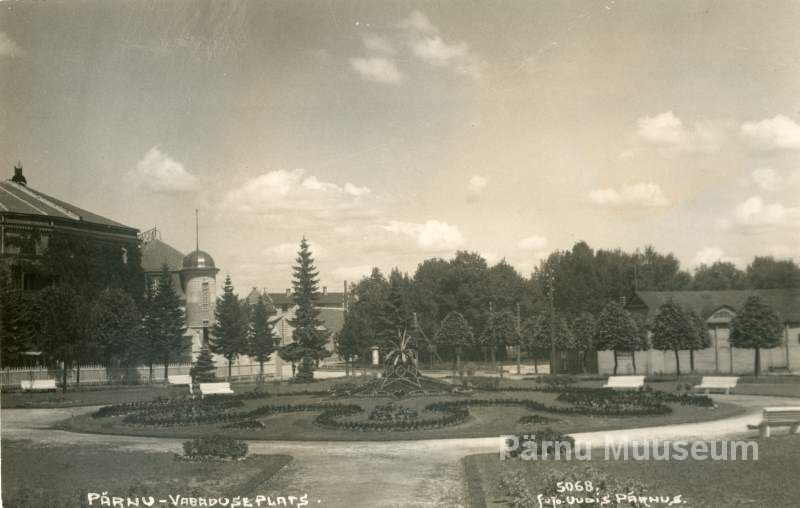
[400, 253]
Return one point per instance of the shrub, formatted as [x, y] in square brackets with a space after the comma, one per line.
[215, 447]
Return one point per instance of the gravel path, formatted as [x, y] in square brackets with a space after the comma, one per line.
[375, 474]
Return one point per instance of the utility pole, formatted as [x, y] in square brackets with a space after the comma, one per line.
[553, 367]
[519, 343]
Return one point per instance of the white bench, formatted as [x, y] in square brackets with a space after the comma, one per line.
[779, 417]
[38, 384]
[625, 382]
[215, 389]
[717, 383]
[180, 380]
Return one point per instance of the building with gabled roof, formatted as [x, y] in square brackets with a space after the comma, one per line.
[717, 309]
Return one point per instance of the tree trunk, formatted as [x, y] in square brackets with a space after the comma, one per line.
[150, 368]
[691, 361]
[615, 362]
[261, 369]
[535, 363]
[519, 360]
[494, 361]
[633, 359]
[230, 366]
[64, 379]
[166, 369]
[458, 359]
[77, 374]
[677, 362]
[758, 362]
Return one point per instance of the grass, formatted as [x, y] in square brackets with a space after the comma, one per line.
[483, 422]
[34, 475]
[769, 481]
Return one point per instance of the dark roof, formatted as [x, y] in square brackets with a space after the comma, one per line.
[18, 198]
[323, 300]
[155, 253]
[786, 302]
[252, 299]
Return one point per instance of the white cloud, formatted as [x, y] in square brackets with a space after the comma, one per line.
[378, 70]
[477, 184]
[667, 131]
[432, 236]
[754, 216]
[639, 195]
[160, 173]
[777, 133]
[290, 199]
[418, 22]
[533, 243]
[9, 48]
[378, 44]
[710, 255]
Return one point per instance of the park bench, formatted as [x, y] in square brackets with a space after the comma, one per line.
[779, 417]
[625, 382]
[215, 389]
[38, 384]
[717, 383]
[181, 380]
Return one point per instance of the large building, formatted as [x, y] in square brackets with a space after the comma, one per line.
[30, 221]
[717, 309]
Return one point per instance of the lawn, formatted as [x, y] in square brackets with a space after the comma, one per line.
[42, 476]
[769, 481]
[482, 422]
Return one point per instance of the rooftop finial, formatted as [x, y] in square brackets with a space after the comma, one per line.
[18, 176]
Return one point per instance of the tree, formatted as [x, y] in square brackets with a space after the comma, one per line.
[229, 333]
[115, 327]
[456, 333]
[717, 276]
[756, 326]
[292, 353]
[308, 331]
[500, 331]
[168, 322]
[396, 313]
[768, 273]
[353, 340]
[617, 331]
[583, 329]
[550, 332]
[699, 338]
[204, 370]
[59, 326]
[15, 325]
[151, 331]
[672, 331]
[262, 338]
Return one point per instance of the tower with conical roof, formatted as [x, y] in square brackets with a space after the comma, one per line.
[199, 282]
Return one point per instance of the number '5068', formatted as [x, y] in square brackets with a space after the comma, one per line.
[562, 487]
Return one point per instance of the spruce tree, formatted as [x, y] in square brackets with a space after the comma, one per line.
[308, 332]
[229, 333]
[204, 370]
[262, 338]
[170, 322]
[756, 326]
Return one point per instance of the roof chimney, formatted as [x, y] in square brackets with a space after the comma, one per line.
[18, 176]
[324, 290]
[288, 292]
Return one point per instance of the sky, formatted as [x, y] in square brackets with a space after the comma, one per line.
[391, 132]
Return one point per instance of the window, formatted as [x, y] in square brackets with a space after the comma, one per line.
[205, 297]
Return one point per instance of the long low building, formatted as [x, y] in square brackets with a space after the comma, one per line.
[717, 309]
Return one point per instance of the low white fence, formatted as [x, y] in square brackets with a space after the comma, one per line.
[97, 374]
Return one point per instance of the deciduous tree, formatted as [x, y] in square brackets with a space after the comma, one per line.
[756, 326]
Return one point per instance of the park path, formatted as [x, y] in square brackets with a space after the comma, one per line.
[369, 473]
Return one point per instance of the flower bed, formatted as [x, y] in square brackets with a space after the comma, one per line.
[214, 447]
[392, 413]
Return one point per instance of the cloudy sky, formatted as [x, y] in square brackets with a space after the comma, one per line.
[389, 132]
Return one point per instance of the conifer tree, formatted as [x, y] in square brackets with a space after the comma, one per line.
[15, 327]
[204, 370]
[308, 332]
[168, 320]
[229, 333]
[262, 338]
[756, 326]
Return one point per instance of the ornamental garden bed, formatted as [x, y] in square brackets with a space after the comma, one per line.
[305, 415]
